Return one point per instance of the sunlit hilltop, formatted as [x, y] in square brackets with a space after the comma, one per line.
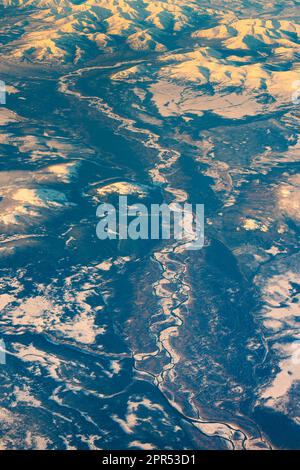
[138, 342]
[73, 31]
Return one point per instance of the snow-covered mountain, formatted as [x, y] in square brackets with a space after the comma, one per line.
[65, 30]
[73, 31]
[247, 67]
[209, 57]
